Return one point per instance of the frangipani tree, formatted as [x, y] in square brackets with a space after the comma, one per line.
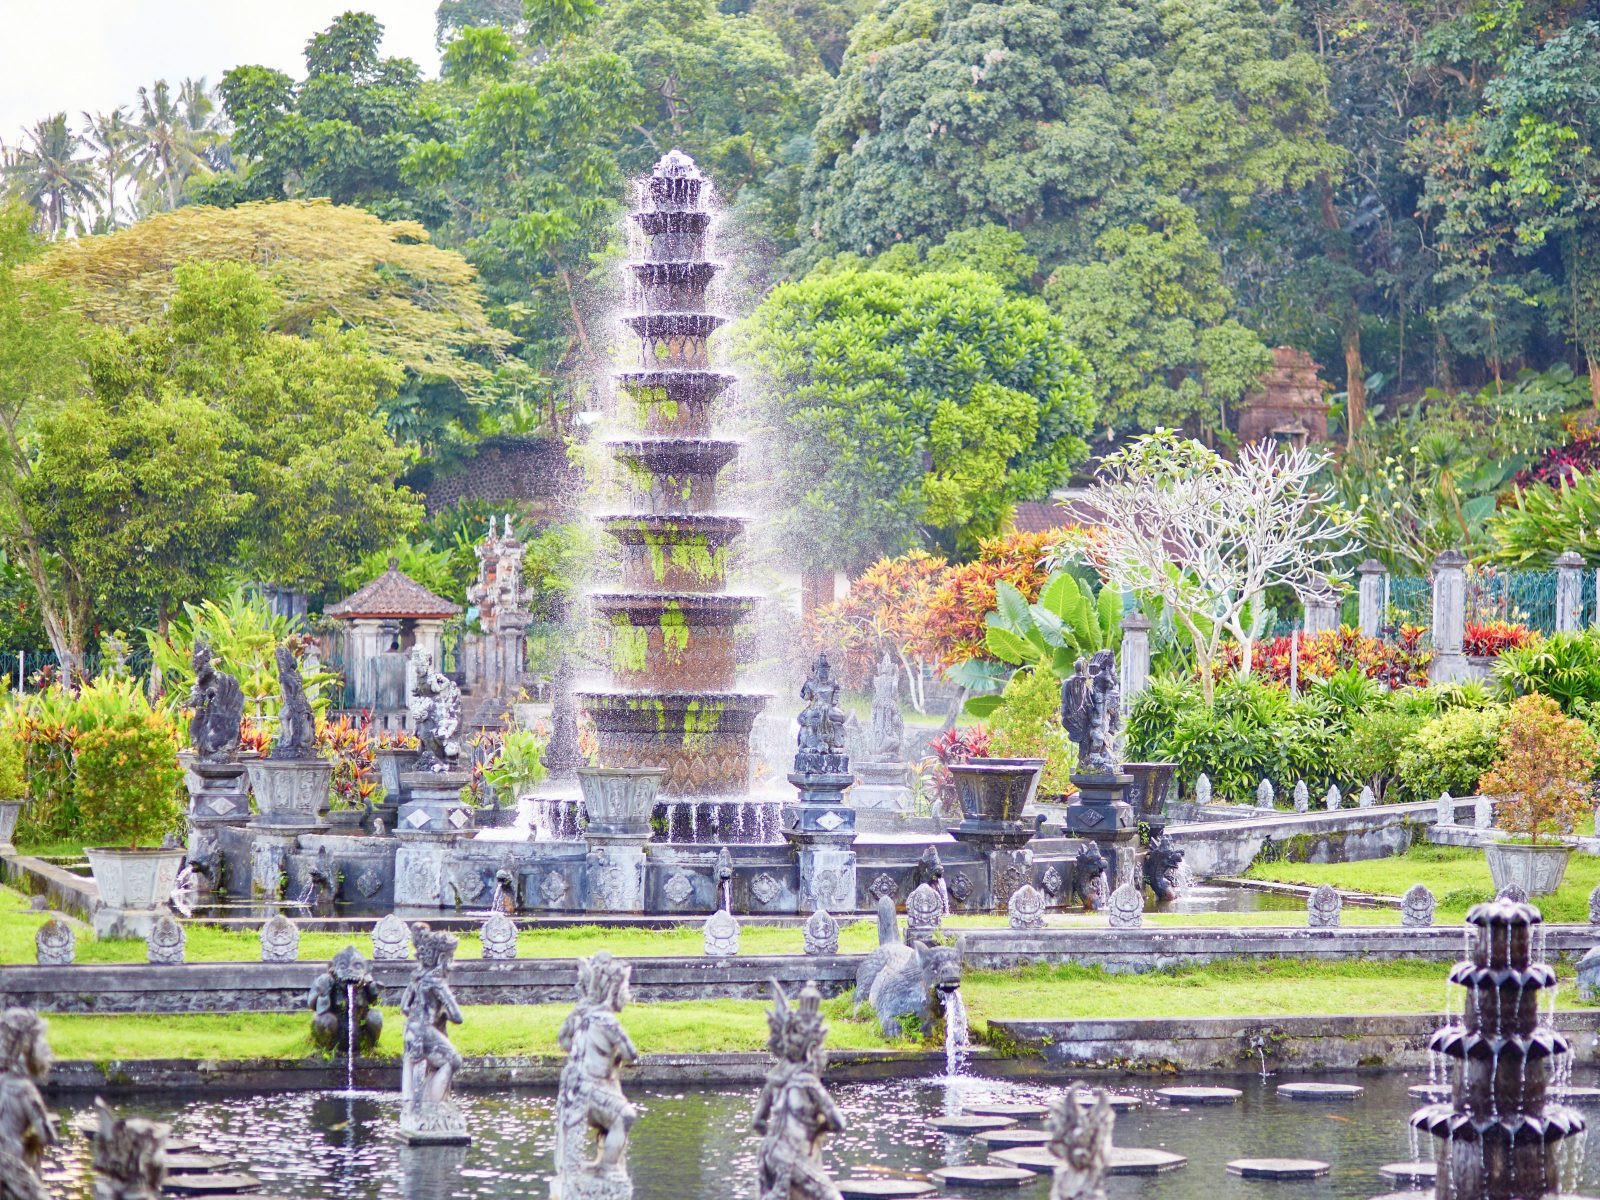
[1209, 535]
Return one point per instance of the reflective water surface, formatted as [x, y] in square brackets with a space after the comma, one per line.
[696, 1144]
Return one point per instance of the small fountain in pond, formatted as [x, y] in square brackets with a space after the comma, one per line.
[1498, 1135]
[344, 1009]
[671, 629]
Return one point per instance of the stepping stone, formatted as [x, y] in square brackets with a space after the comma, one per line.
[1319, 1091]
[1429, 1091]
[970, 1124]
[210, 1185]
[1576, 1095]
[1007, 1110]
[1278, 1168]
[1013, 1137]
[1410, 1172]
[1199, 1095]
[196, 1164]
[1131, 1160]
[1119, 1103]
[1030, 1158]
[883, 1189]
[981, 1177]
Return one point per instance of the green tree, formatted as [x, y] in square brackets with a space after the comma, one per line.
[1150, 314]
[41, 368]
[172, 136]
[48, 174]
[1542, 133]
[110, 136]
[417, 304]
[918, 408]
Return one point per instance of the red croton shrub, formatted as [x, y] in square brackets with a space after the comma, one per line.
[1400, 663]
[1485, 639]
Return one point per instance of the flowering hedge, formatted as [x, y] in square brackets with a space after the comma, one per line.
[1401, 663]
[1486, 639]
[102, 766]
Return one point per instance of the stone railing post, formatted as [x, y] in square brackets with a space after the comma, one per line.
[1135, 655]
[1569, 592]
[1321, 603]
[1369, 597]
[1449, 618]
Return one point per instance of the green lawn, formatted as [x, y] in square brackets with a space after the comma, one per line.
[1457, 876]
[1264, 988]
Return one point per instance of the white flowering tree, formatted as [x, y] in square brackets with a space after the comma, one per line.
[1208, 535]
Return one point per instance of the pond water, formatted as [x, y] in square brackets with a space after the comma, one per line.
[696, 1144]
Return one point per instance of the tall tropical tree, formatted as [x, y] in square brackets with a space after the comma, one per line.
[110, 137]
[170, 148]
[49, 175]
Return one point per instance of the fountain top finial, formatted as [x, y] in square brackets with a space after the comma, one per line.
[1503, 912]
[675, 164]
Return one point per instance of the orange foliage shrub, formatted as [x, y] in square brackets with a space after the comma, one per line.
[1543, 772]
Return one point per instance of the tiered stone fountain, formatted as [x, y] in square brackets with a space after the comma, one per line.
[1498, 1135]
[671, 628]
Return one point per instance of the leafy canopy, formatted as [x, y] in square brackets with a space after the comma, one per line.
[919, 408]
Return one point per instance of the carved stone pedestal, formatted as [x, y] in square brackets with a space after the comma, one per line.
[883, 787]
[614, 870]
[822, 831]
[419, 868]
[827, 878]
[433, 803]
[291, 793]
[218, 792]
[1100, 813]
[440, 1124]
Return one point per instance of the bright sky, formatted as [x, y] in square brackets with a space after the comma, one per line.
[76, 55]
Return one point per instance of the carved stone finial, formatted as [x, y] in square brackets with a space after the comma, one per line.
[821, 933]
[1324, 907]
[218, 704]
[1416, 907]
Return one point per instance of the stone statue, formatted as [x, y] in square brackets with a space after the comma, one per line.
[1091, 712]
[1087, 885]
[26, 1126]
[297, 730]
[901, 981]
[130, 1157]
[794, 1112]
[427, 1113]
[1081, 1139]
[930, 870]
[1323, 907]
[888, 724]
[821, 739]
[1162, 858]
[218, 705]
[344, 998]
[435, 708]
[589, 1100]
[1416, 907]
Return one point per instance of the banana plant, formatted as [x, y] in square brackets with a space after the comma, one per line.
[1068, 622]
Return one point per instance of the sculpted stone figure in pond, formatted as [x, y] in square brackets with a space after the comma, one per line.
[435, 708]
[26, 1126]
[902, 981]
[130, 1157]
[427, 1113]
[590, 1106]
[297, 729]
[1081, 1138]
[1091, 713]
[344, 998]
[821, 739]
[794, 1112]
[218, 705]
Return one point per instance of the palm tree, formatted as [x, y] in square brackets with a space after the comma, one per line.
[170, 148]
[47, 174]
[111, 137]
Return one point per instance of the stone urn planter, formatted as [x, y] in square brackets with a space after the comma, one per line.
[10, 811]
[136, 879]
[619, 800]
[1537, 870]
[291, 793]
[993, 792]
[346, 820]
[1151, 790]
[393, 763]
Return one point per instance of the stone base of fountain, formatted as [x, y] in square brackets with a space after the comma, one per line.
[1100, 813]
[291, 793]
